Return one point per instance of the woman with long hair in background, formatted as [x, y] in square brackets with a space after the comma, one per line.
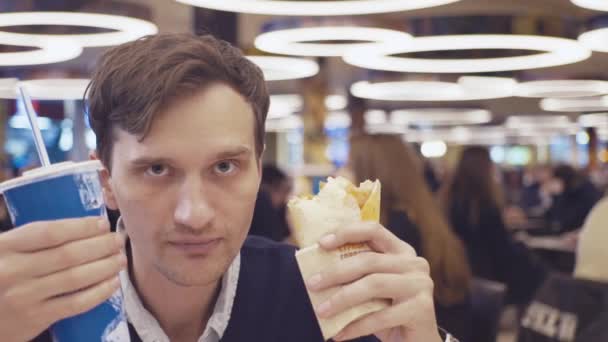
[409, 210]
[473, 203]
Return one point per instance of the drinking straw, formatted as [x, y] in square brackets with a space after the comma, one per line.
[33, 118]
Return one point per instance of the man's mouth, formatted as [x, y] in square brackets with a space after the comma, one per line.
[195, 247]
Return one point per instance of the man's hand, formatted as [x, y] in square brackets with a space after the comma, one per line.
[53, 270]
[392, 272]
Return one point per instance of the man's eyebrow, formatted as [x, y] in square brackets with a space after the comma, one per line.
[233, 152]
[149, 160]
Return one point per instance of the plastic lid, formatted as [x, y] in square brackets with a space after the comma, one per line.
[53, 171]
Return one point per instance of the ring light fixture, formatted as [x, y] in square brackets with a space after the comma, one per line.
[297, 42]
[315, 8]
[538, 122]
[422, 91]
[46, 89]
[285, 68]
[599, 120]
[48, 50]
[589, 104]
[441, 116]
[127, 28]
[562, 88]
[595, 39]
[557, 51]
[598, 5]
[284, 105]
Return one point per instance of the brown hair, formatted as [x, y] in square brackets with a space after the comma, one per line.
[388, 159]
[472, 185]
[135, 81]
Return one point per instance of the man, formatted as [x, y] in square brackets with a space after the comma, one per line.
[179, 121]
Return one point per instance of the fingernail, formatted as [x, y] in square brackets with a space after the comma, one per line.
[328, 239]
[323, 308]
[314, 281]
[103, 224]
[339, 337]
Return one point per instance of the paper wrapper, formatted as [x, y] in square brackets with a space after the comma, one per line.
[338, 204]
[312, 260]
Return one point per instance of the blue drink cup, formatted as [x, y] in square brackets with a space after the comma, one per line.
[61, 191]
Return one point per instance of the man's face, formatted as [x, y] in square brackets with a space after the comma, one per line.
[187, 191]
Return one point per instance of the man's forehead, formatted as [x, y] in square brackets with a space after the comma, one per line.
[148, 144]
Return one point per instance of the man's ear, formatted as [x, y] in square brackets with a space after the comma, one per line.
[260, 162]
[106, 183]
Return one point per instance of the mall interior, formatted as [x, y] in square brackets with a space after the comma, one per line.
[489, 116]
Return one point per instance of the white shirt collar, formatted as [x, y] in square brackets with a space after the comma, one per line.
[148, 328]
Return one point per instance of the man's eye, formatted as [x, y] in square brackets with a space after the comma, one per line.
[225, 167]
[157, 170]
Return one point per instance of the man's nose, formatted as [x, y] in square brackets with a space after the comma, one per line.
[193, 208]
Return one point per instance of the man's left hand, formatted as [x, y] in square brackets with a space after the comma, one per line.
[393, 272]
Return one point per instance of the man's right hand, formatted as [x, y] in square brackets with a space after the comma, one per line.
[53, 270]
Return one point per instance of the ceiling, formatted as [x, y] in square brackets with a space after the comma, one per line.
[550, 10]
[175, 17]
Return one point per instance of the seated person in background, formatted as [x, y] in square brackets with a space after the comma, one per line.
[575, 308]
[270, 213]
[533, 201]
[473, 203]
[573, 197]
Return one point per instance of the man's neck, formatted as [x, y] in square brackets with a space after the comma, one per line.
[182, 312]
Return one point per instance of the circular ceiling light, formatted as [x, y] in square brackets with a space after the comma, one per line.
[126, 28]
[460, 135]
[598, 5]
[316, 8]
[591, 104]
[599, 120]
[422, 91]
[376, 122]
[335, 102]
[595, 39]
[287, 123]
[375, 117]
[562, 88]
[433, 148]
[56, 89]
[337, 119]
[284, 105]
[441, 116]
[483, 83]
[51, 89]
[296, 42]
[285, 68]
[558, 51]
[47, 50]
[8, 88]
[520, 122]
